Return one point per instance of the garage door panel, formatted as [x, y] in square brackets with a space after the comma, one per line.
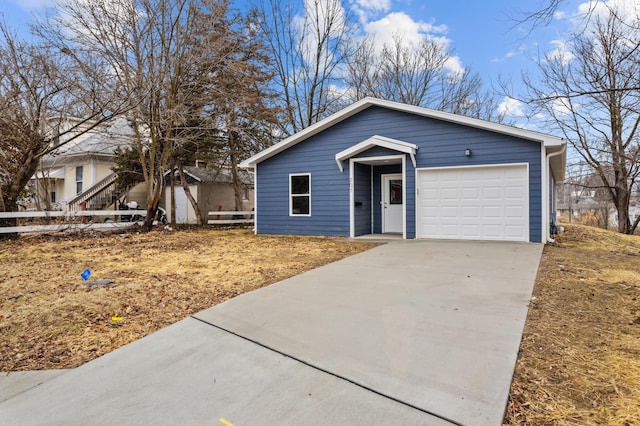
[449, 210]
[492, 192]
[469, 193]
[449, 194]
[431, 193]
[485, 203]
[449, 230]
[470, 230]
[492, 231]
[514, 231]
[514, 212]
[470, 211]
[513, 192]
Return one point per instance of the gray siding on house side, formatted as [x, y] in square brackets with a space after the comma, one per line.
[362, 199]
[329, 194]
[441, 144]
[377, 193]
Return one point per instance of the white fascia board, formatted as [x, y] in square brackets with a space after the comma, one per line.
[306, 133]
[545, 140]
[381, 141]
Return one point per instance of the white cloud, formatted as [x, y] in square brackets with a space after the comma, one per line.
[559, 15]
[627, 8]
[519, 51]
[561, 106]
[339, 92]
[365, 9]
[412, 32]
[561, 51]
[511, 107]
[512, 54]
[454, 65]
[374, 5]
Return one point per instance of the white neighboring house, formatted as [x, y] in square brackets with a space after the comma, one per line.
[79, 172]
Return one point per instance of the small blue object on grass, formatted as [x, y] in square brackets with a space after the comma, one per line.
[86, 274]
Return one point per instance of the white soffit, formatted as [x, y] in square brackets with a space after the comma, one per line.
[381, 141]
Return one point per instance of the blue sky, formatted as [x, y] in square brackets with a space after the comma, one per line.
[481, 33]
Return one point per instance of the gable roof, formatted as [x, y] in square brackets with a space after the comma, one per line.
[196, 174]
[101, 141]
[381, 141]
[552, 142]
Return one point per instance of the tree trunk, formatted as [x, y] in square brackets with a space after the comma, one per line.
[235, 175]
[7, 204]
[635, 224]
[622, 206]
[624, 223]
[187, 191]
[172, 182]
[153, 201]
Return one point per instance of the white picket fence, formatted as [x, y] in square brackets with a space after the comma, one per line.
[247, 218]
[70, 220]
[77, 220]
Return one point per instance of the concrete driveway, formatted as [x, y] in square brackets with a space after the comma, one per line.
[411, 332]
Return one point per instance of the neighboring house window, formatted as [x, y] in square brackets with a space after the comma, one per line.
[300, 194]
[79, 171]
[245, 192]
[53, 196]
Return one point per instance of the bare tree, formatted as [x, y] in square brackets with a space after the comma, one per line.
[399, 72]
[417, 75]
[307, 46]
[155, 53]
[539, 17]
[582, 193]
[240, 104]
[591, 93]
[40, 86]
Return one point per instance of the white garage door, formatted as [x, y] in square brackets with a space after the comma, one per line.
[475, 203]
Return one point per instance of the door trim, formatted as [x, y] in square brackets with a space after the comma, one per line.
[383, 189]
[352, 161]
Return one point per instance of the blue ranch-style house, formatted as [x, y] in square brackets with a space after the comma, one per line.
[379, 167]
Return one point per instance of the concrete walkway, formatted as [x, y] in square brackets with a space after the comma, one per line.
[412, 332]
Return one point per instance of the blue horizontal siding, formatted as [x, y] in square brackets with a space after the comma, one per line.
[377, 192]
[362, 199]
[441, 144]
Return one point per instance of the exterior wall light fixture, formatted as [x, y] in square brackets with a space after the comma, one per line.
[467, 152]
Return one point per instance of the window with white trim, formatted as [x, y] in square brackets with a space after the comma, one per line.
[300, 194]
[79, 172]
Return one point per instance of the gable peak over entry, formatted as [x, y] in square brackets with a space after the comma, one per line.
[377, 141]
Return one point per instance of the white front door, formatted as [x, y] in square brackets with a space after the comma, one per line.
[392, 203]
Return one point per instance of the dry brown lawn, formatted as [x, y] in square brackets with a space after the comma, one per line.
[579, 361]
[50, 319]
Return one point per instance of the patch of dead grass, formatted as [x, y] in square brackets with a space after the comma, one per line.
[579, 360]
[50, 319]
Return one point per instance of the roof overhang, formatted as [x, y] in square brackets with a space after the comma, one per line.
[557, 161]
[54, 173]
[544, 139]
[377, 141]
